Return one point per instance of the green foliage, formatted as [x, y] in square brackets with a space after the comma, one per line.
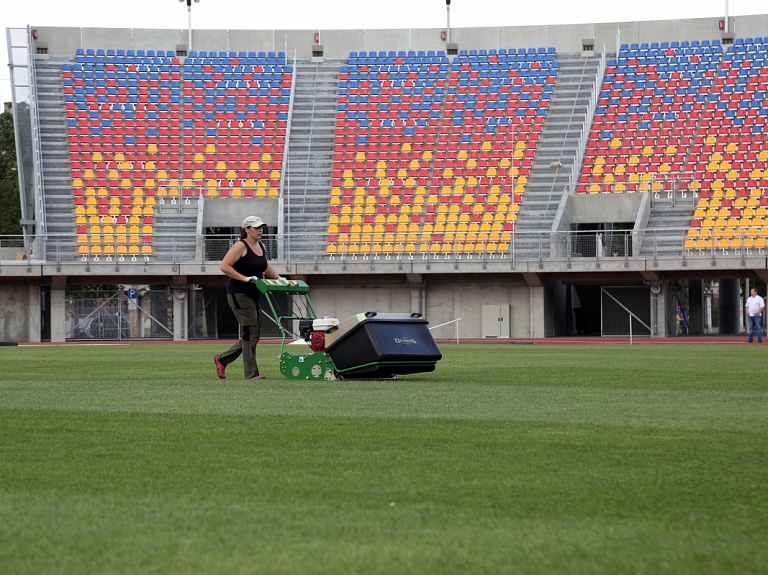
[521, 459]
[10, 206]
[10, 209]
[7, 149]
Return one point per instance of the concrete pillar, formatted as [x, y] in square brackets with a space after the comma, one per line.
[537, 317]
[58, 315]
[180, 314]
[34, 307]
[418, 293]
[729, 307]
[696, 307]
[659, 327]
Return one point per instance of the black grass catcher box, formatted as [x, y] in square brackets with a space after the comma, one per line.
[382, 345]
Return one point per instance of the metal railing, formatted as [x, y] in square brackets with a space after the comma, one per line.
[587, 124]
[39, 184]
[667, 188]
[393, 248]
[285, 197]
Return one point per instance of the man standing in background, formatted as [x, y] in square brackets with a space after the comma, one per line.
[755, 307]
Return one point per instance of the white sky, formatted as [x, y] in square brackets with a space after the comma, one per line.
[345, 14]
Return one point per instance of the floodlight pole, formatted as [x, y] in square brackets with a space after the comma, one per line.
[448, 14]
[725, 23]
[189, 23]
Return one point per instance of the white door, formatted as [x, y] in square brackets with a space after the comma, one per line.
[495, 320]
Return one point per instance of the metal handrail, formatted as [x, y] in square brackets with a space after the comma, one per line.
[514, 247]
[284, 202]
[587, 126]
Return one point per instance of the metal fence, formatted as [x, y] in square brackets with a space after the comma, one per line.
[600, 244]
[111, 314]
[625, 311]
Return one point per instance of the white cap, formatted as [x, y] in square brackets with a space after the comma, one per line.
[253, 221]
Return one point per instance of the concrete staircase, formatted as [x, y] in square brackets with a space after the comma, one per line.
[174, 233]
[310, 158]
[665, 229]
[57, 172]
[557, 145]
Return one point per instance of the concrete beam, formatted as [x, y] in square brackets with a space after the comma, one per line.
[58, 282]
[762, 274]
[651, 276]
[533, 279]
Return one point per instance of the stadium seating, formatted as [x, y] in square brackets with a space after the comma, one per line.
[145, 130]
[432, 156]
[729, 157]
[651, 101]
[687, 116]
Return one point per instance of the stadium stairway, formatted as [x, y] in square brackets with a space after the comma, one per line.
[57, 178]
[173, 241]
[558, 143]
[663, 237]
[310, 157]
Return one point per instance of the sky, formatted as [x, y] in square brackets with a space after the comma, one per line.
[345, 14]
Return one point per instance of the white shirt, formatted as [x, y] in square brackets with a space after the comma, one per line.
[754, 305]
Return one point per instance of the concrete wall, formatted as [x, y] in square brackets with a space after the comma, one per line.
[20, 309]
[339, 43]
[440, 300]
[449, 301]
[603, 208]
[230, 213]
[343, 301]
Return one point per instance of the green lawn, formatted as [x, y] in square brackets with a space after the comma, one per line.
[518, 459]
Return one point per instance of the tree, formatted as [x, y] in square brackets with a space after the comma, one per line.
[10, 206]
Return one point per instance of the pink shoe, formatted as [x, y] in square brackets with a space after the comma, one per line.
[220, 368]
[258, 377]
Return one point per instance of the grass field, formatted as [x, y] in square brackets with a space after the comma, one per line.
[521, 459]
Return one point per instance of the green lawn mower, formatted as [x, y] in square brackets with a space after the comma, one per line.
[368, 345]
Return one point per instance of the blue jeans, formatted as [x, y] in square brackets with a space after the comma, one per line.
[754, 327]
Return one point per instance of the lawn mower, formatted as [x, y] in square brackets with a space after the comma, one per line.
[368, 345]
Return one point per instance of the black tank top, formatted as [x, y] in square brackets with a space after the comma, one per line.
[248, 265]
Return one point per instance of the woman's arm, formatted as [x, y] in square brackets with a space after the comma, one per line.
[270, 273]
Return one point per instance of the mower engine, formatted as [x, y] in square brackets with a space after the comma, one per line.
[313, 331]
[320, 327]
